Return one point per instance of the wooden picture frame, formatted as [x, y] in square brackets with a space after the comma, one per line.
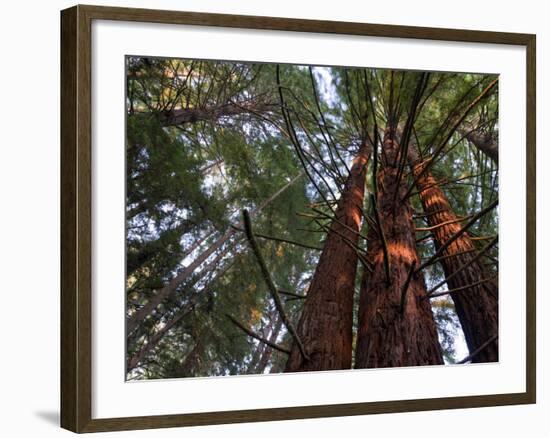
[76, 218]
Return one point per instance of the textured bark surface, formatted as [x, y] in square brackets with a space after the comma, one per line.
[476, 307]
[325, 326]
[212, 113]
[386, 336]
[486, 143]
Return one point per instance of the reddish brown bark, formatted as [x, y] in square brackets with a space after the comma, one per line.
[387, 336]
[325, 326]
[476, 307]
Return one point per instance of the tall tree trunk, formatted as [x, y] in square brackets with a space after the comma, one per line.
[476, 307]
[325, 326]
[137, 318]
[388, 335]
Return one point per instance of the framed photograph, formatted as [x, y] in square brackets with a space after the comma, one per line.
[270, 219]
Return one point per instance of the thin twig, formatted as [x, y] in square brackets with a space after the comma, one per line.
[294, 137]
[280, 239]
[404, 143]
[465, 266]
[256, 336]
[441, 146]
[442, 224]
[292, 294]
[458, 234]
[462, 288]
[478, 350]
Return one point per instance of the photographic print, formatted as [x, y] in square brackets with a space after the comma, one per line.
[289, 218]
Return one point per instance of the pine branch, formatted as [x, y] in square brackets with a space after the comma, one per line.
[405, 138]
[465, 266]
[333, 218]
[462, 288]
[376, 138]
[270, 285]
[447, 181]
[303, 151]
[459, 233]
[448, 256]
[256, 336]
[292, 294]
[293, 136]
[439, 149]
[325, 125]
[350, 244]
[482, 237]
[442, 224]
[280, 239]
[425, 215]
[478, 350]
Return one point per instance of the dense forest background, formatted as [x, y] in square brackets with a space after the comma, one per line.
[294, 218]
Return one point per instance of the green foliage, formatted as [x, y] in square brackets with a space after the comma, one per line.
[186, 185]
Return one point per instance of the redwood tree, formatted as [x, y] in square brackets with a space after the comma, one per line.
[325, 326]
[396, 325]
[476, 304]
[207, 140]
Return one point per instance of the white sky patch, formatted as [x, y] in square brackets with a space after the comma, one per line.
[325, 85]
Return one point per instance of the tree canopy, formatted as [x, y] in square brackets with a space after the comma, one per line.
[206, 140]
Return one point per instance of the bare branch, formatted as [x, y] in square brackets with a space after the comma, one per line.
[458, 234]
[280, 239]
[270, 285]
[462, 288]
[256, 336]
[459, 270]
[478, 350]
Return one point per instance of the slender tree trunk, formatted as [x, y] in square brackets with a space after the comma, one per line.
[154, 340]
[264, 352]
[388, 336]
[325, 326]
[268, 352]
[141, 354]
[137, 318]
[476, 307]
[261, 347]
[192, 362]
[258, 352]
